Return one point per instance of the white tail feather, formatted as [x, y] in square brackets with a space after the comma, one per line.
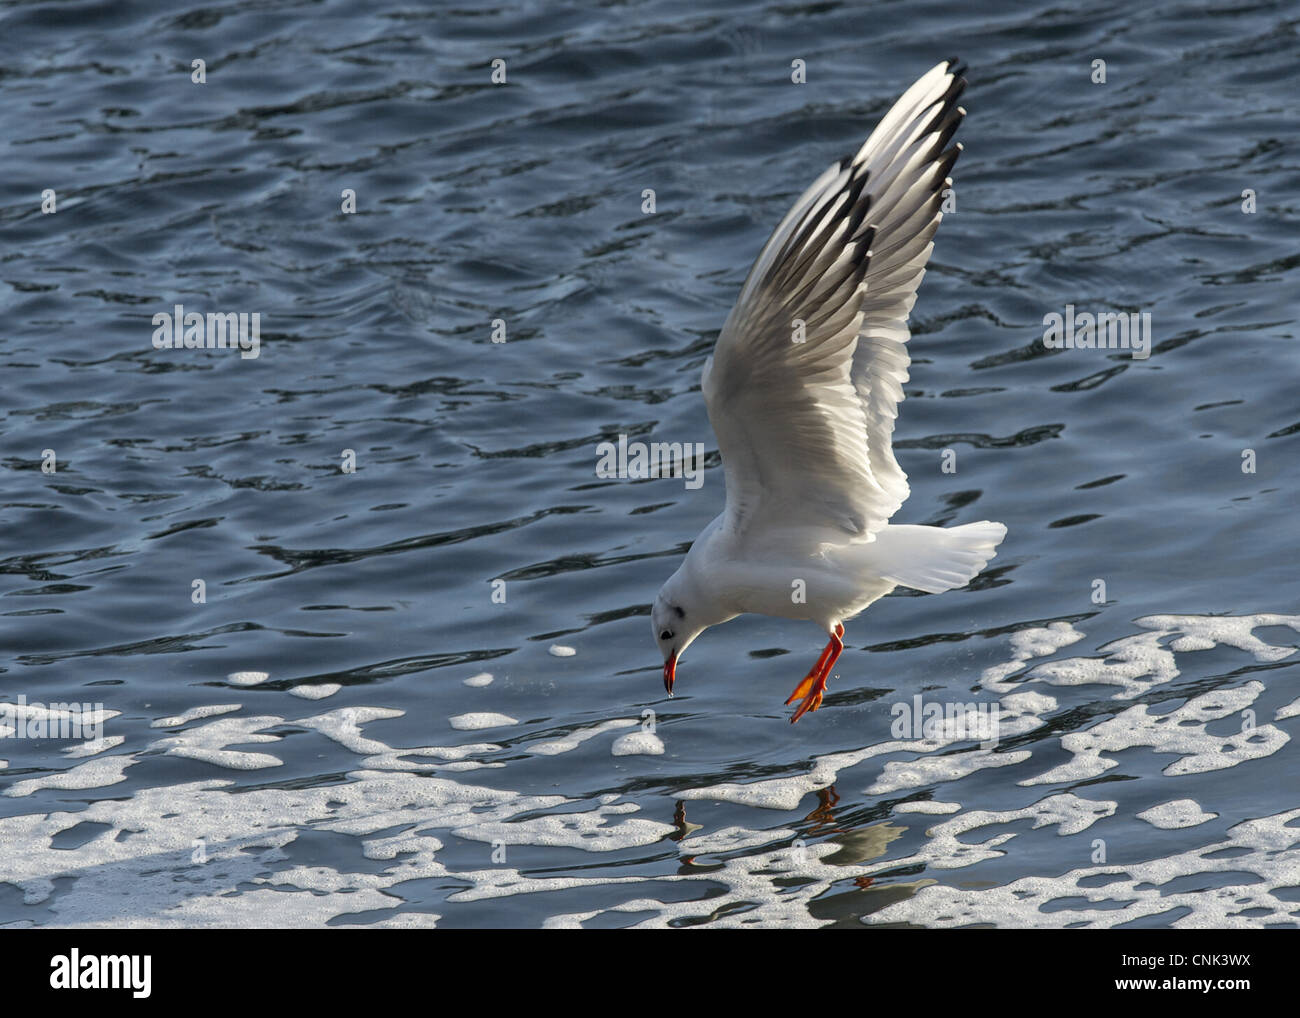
[935, 559]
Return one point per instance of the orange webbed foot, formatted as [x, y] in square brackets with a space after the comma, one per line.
[814, 683]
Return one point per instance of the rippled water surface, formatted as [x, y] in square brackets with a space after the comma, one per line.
[303, 748]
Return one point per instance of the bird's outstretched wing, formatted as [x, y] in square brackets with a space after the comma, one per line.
[804, 382]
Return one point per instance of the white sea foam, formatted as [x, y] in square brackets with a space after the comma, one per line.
[553, 747]
[589, 831]
[92, 774]
[481, 719]
[786, 793]
[315, 692]
[1203, 632]
[637, 744]
[247, 678]
[1134, 663]
[94, 746]
[898, 776]
[1171, 816]
[404, 807]
[74, 719]
[1180, 732]
[927, 806]
[1291, 710]
[195, 714]
[1026, 644]
[1265, 849]
[208, 743]
[732, 839]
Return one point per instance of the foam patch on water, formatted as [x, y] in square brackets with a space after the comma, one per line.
[786, 793]
[344, 727]
[195, 714]
[315, 692]
[479, 681]
[1181, 732]
[927, 806]
[94, 747]
[482, 719]
[1134, 663]
[1173, 816]
[1264, 849]
[733, 839]
[638, 744]
[576, 738]
[36, 716]
[590, 831]
[93, 774]
[559, 650]
[945, 850]
[898, 776]
[1026, 644]
[1205, 632]
[208, 743]
[247, 678]
[131, 870]
[1291, 710]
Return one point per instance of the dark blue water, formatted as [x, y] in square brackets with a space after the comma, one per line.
[475, 461]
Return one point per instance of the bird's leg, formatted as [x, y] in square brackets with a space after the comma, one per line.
[801, 690]
[821, 665]
[814, 683]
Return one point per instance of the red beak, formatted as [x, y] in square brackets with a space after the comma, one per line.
[670, 672]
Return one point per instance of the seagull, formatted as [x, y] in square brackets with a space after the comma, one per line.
[802, 391]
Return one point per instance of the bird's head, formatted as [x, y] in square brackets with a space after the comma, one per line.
[676, 623]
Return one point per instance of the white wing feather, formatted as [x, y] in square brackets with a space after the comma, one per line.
[805, 427]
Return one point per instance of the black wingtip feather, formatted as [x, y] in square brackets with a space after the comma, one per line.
[947, 127]
[955, 88]
[949, 158]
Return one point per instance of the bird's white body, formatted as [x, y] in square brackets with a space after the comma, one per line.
[803, 390]
[825, 583]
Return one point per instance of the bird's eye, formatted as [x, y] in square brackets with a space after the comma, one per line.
[667, 634]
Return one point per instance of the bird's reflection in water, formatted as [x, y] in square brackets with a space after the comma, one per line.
[842, 904]
[822, 818]
[684, 826]
[845, 905]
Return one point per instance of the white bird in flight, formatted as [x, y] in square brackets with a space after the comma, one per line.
[802, 392]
